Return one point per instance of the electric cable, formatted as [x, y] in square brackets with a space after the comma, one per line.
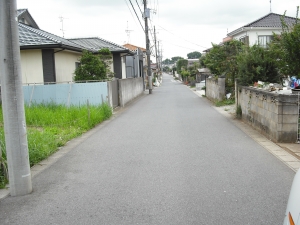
[137, 15]
[139, 7]
[182, 38]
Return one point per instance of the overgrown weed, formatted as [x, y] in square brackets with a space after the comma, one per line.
[50, 126]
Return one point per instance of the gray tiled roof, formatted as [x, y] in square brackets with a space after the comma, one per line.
[31, 37]
[24, 13]
[20, 12]
[270, 20]
[96, 44]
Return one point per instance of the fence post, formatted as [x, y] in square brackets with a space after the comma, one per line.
[88, 109]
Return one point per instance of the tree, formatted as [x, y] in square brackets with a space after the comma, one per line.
[194, 69]
[166, 69]
[175, 59]
[167, 62]
[181, 65]
[286, 49]
[221, 60]
[201, 61]
[94, 66]
[194, 55]
[256, 63]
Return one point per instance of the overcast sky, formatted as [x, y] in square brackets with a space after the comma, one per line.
[182, 26]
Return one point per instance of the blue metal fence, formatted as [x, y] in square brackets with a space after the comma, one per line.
[66, 94]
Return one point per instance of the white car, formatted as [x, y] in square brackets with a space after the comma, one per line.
[292, 214]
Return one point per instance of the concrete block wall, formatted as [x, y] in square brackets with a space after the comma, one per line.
[274, 115]
[129, 89]
[215, 89]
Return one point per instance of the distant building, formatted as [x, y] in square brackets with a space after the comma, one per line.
[261, 30]
[136, 66]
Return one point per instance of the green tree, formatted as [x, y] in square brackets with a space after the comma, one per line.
[175, 59]
[167, 62]
[166, 69]
[202, 61]
[256, 63]
[194, 55]
[94, 66]
[286, 48]
[221, 60]
[194, 69]
[181, 65]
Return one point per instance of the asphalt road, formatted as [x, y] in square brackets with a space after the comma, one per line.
[169, 158]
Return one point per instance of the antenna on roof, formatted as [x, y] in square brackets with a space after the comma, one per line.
[270, 6]
[128, 33]
[62, 25]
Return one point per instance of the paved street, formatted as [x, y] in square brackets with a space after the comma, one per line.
[168, 158]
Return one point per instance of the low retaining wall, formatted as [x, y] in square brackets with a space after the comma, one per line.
[215, 89]
[274, 115]
[129, 89]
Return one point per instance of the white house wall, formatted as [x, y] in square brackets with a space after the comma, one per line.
[254, 33]
[32, 66]
[65, 65]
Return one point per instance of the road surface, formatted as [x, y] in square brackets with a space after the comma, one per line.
[168, 158]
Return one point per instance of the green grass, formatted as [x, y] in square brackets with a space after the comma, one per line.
[225, 102]
[51, 126]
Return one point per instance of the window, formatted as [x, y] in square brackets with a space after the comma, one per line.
[245, 40]
[264, 40]
[77, 64]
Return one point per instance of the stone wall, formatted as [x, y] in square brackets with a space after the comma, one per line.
[274, 115]
[215, 89]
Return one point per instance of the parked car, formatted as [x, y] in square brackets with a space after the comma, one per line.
[292, 214]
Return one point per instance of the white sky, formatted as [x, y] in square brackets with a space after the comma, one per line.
[182, 26]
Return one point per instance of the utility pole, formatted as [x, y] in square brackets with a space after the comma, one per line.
[13, 101]
[155, 50]
[146, 15]
[159, 58]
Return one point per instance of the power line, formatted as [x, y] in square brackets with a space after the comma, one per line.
[139, 7]
[181, 37]
[151, 31]
[130, 11]
[137, 15]
[180, 46]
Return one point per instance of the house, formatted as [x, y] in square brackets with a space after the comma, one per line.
[261, 30]
[191, 62]
[48, 58]
[119, 52]
[45, 57]
[136, 66]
